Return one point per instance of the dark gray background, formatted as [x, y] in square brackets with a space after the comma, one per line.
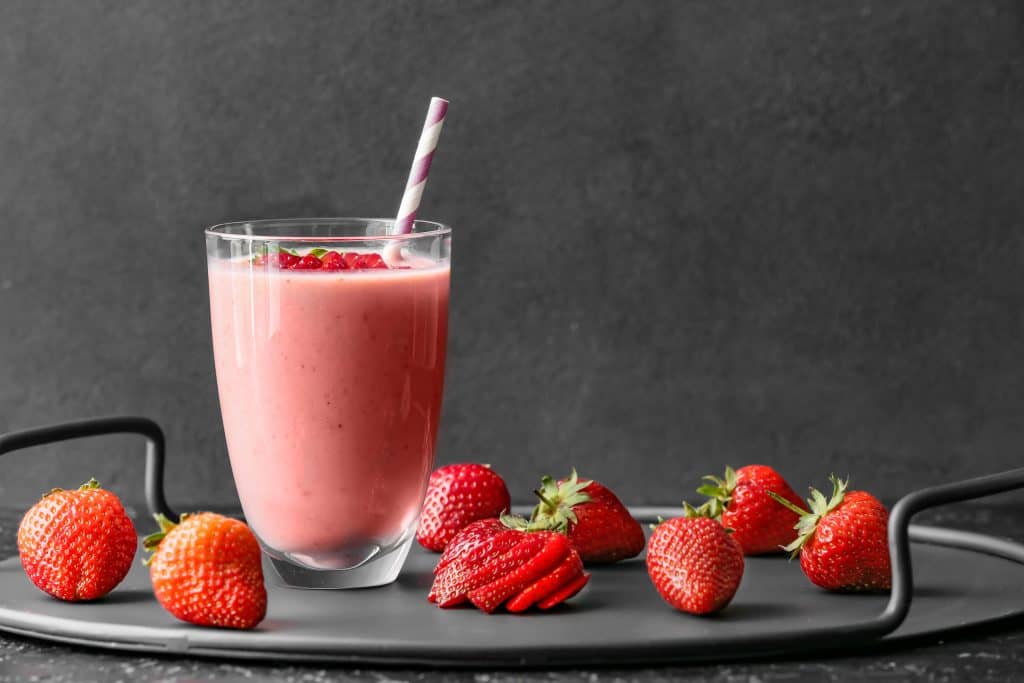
[688, 233]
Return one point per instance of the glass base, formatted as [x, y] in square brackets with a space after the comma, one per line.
[379, 569]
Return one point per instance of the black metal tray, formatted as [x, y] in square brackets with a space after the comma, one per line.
[959, 579]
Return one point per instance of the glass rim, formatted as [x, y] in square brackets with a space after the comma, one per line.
[426, 229]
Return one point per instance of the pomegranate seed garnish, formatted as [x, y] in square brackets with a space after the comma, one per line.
[372, 261]
[308, 262]
[332, 260]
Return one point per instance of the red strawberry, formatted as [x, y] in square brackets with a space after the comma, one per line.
[489, 567]
[599, 525]
[332, 260]
[464, 573]
[556, 547]
[473, 535]
[741, 501]
[568, 571]
[372, 261]
[351, 259]
[694, 563]
[456, 496]
[565, 592]
[284, 259]
[472, 576]
[77, 545]
[843, 541]
[308, 262]
[206, 570]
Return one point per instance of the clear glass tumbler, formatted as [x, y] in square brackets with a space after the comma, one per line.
[330, 380]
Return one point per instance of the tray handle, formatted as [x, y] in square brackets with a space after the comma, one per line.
[65, 431]
[899, 532]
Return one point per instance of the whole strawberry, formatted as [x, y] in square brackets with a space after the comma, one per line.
[843, 542]
[206, 570]
[598, 524]
[77, 545]
[457, 495]
[741, 501]
[694, 563]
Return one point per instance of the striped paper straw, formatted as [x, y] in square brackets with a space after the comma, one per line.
[421, 165]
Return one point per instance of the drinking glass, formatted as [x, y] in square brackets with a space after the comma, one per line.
[330, 384]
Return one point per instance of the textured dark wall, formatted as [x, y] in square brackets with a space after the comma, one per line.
[688, 233]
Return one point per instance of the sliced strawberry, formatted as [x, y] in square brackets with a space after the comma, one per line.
[564, 593]
[351, 259]
[448, 581]
[490, 596]
[332, 260]
[284, 260]
[372, 261]
[518, 555]
[471, 536]
[308, 262]
[569, 570]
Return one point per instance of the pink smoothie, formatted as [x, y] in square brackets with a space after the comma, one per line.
[330, 389]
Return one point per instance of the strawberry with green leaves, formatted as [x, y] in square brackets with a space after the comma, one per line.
[598, 524]
[742, 502]
[843, 540]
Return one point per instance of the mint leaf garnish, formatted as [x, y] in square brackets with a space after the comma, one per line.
[318, 252]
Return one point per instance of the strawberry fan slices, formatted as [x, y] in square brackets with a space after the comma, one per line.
[489, 565]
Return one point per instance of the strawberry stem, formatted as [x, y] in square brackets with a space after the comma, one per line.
[552, 506]
[787, 504]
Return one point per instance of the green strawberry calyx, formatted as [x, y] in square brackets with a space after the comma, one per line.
[819, 507]
[718, 492]
[555, 509]
[554, 512]
[707, 510]
[87, 486]
[151, 542]
[516, 522]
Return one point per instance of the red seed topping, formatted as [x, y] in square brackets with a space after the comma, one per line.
[308, 262]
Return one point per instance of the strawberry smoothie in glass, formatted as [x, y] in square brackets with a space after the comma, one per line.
[329, 340]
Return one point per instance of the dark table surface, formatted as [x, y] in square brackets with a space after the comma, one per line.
[993, 653]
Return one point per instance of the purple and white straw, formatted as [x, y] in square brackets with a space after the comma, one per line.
[421, 165]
